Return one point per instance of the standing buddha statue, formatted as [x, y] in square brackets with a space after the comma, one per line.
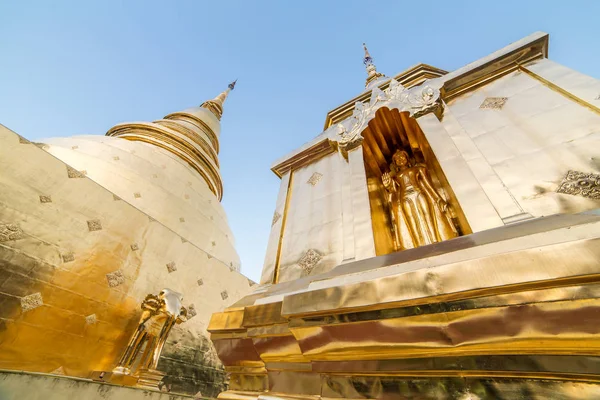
[419, 214]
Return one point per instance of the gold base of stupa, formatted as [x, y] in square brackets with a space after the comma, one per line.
[512, 312]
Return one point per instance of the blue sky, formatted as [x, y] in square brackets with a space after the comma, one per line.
[79, 67]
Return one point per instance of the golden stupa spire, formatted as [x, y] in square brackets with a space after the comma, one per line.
[216, 105]
[372, 73]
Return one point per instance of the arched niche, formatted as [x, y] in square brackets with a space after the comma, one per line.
[390, 130]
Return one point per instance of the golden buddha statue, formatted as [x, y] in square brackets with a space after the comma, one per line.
[419, 214]
[159, 314]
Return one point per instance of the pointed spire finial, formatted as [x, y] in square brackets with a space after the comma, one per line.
[368, 58]
[216, 105]
[372, 74]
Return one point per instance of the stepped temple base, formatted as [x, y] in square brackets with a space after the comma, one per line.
[512, 312]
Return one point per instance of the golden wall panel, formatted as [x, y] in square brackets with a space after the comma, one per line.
[78, 263]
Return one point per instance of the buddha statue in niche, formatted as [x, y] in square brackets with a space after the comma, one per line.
[419, 214]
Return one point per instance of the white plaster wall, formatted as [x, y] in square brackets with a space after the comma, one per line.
[314, 219]
[520, 153]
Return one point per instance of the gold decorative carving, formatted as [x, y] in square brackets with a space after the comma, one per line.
[115, 278]
[94, 225]
[10, 232]
[493, 103]
[32, 301]
[68, 257]
[419, 214]
[159, 314]
[276, 217]
[171, 267]
[581, 184]
[224, 295]
[309, 260]
[73, 173]
[314, 178]
[135, 247]
[45, 199]
[91, 319]
[417, 101]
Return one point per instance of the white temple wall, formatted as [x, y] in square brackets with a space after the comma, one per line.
[520, 151]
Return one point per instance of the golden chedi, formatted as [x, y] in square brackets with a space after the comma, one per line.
[440, 239]
[92, 229]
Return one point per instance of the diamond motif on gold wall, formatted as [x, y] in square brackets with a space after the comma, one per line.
[224, 294]
[68, 257]
[494, 103]
[91, 319]
[581, 184]
[276, 217]
[314, 178]
[94, 225]
[10, 232]
[171, 267]
[73, 173]
[32, 301]
[115, 278]
[45, 199]
[309, 260]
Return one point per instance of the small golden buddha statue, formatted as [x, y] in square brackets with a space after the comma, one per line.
[419, 214]
[159, 314]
